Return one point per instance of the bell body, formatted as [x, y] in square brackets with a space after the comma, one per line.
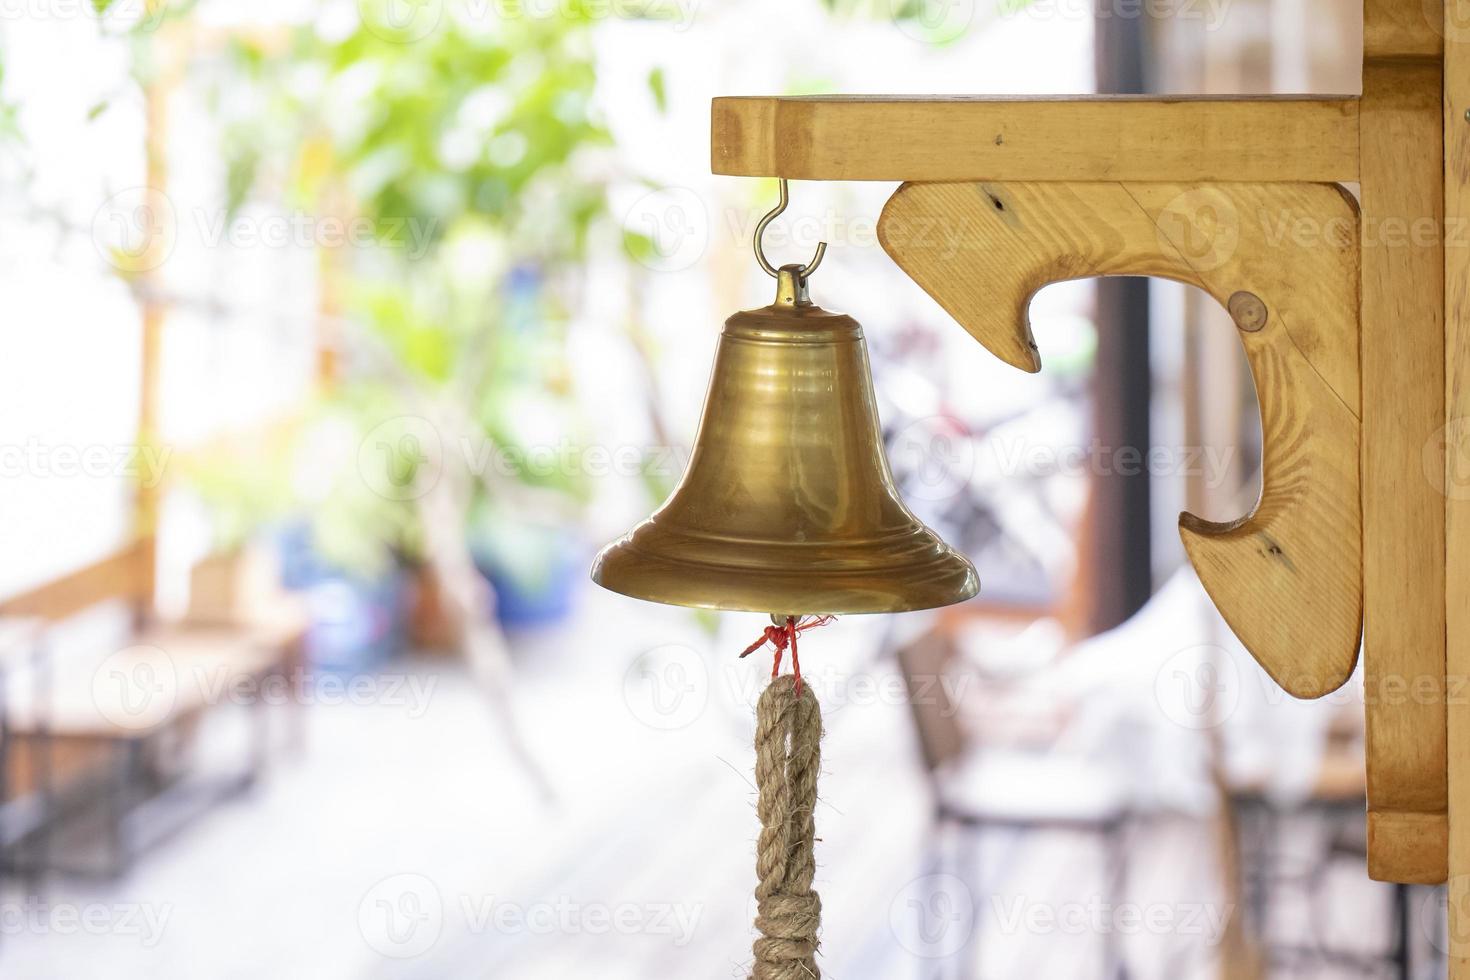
[788, 505]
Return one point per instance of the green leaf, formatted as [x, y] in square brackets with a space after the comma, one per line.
[656, 85]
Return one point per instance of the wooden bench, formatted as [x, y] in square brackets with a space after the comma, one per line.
[95, 740]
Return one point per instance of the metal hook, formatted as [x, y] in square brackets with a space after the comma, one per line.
[760, 230]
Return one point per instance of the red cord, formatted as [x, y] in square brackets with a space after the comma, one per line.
[780, 637]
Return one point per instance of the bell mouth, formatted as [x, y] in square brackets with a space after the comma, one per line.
[779, 576]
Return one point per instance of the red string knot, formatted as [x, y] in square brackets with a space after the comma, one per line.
[784, 635]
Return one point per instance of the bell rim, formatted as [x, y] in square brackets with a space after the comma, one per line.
[944, 580]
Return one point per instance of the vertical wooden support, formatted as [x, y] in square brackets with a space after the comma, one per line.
[153, 311]
[1402, 179]
[1456, 486]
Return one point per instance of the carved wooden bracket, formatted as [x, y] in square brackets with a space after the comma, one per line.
[1283, 258]
[1238, 195]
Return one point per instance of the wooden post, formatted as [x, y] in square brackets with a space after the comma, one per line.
[153, 312]
[1401, 139]
[1456, 486]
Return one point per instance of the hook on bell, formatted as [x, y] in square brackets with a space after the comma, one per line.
[801, 272]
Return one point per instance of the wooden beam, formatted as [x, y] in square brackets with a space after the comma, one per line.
[125, 574]
[1457, 488]
[1403, 509]
[1260, 140]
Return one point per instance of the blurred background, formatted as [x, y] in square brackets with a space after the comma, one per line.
[339, 336]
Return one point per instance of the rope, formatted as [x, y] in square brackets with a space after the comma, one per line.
[788, 734]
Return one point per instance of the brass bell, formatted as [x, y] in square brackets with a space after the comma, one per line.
[787, 505]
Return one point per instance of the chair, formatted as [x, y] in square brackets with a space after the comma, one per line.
[977, 790]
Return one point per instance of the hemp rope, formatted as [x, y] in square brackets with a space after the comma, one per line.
[788, 734]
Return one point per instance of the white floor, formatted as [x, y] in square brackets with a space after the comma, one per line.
[404, 843]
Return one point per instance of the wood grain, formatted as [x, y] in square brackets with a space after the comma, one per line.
[1284, 259]
[1456, 103]
[1403, 509]
[1257, 139]
[1402, 29]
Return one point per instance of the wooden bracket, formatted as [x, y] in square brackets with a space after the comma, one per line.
[1239, 196]
[1283, 259]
